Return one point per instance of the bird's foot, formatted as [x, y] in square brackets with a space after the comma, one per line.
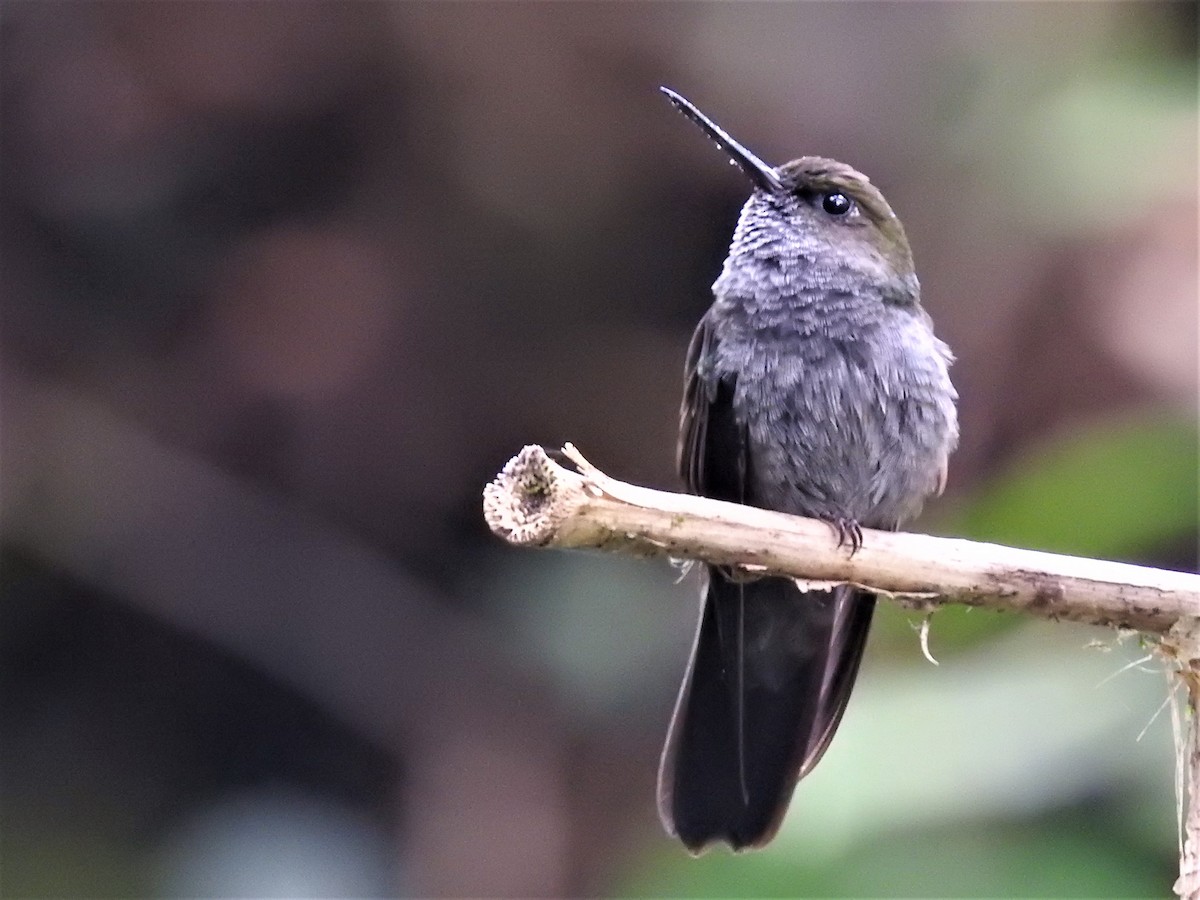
[849, 532]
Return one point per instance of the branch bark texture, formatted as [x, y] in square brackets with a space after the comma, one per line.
[536, 502]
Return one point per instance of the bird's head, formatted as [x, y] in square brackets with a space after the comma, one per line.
[817, 210]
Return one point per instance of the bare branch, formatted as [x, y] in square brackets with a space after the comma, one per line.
[1184, 645]
[536, 502]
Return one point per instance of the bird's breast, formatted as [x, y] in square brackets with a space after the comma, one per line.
[841, 422]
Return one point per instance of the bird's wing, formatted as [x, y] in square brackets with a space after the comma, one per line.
[713, 450]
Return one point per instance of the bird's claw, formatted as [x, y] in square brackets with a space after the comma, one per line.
[849, 532]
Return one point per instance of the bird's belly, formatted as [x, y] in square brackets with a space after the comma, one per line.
[840, 441]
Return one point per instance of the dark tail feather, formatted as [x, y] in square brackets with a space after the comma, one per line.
[769, 678]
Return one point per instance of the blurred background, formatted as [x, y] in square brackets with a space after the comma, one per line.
[283, 285]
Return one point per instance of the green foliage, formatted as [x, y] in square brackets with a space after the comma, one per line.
[1117, 490]
[1065, 857]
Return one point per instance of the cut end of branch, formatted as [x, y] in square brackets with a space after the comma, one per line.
[524, 503]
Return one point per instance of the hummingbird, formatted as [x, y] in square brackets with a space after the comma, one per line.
[813, 385]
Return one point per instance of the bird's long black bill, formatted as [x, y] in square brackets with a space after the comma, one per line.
[760, 173]
[770, 675]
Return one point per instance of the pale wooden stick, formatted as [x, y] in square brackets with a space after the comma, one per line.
[536, 502]
[1183, 644]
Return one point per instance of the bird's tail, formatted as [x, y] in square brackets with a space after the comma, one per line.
[770, 674]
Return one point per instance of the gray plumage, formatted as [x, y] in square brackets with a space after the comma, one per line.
[839, 380]
[814, 385]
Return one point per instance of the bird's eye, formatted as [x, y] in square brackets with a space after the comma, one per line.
[836, 203]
